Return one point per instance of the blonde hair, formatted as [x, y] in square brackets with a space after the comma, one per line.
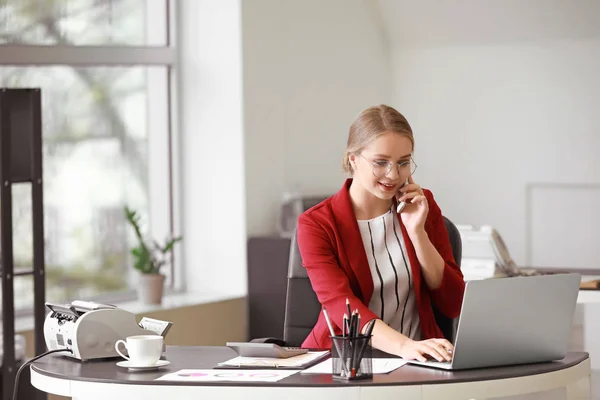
[369, 125]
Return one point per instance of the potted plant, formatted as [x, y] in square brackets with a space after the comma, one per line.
[149, 258]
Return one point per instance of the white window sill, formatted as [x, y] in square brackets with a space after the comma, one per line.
[170, 301]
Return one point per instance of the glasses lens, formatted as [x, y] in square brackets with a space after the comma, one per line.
[380, 170]
[408, 167]
[413, 166]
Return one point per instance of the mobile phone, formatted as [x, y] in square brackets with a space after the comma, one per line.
[401, 204]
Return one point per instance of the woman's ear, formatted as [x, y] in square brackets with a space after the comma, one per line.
[352, 161]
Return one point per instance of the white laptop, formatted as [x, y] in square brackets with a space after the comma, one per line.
[509, 321]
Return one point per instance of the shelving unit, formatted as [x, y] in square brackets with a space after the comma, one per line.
[20, 162]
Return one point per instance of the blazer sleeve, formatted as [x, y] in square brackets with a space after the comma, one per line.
[327, 278]
[448, 296]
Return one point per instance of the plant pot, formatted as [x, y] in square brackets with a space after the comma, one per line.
[150, 288]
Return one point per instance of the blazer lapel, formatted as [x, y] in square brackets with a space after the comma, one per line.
[349, 232]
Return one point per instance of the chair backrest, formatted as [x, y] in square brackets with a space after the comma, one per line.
[302, 307]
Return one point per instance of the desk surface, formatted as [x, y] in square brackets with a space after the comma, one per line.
[61, 367]
[103, 379]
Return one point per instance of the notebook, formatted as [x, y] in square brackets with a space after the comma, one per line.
[297, 362]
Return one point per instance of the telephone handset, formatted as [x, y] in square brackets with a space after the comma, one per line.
[472, 240]
[503, 258]
[401, 204]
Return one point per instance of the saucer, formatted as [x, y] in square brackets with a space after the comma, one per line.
[133, 367]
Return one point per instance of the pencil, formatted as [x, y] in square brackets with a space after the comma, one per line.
[350, 325]
[332, 332]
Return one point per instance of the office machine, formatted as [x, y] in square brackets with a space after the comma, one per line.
[270, 350]
[292, 206]
[485, 255]
[91, 329]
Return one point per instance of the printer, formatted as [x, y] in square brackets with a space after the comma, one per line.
[90, 330]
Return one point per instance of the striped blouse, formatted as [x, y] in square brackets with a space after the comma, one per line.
[393, 295]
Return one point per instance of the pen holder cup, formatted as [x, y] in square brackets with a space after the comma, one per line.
[352, 357]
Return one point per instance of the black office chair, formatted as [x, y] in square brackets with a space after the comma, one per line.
[302, 307]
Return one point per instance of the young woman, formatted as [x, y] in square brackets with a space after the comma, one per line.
[390, 266]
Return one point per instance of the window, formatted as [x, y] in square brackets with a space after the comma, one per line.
[104, 69]
[84, 22]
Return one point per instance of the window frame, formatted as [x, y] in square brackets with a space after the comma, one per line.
[34, 55]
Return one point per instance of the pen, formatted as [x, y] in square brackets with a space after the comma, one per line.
[354, 325]
[368, 330]
[355, 351]
[352, 343]
[328, 321]
[348, 306]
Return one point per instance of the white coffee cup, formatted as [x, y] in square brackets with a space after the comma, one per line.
[143, 350]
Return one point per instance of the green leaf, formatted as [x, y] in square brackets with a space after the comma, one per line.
[147, 259]
[171, 243]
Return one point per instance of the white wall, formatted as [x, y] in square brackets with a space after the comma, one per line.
[211, 148]
[503, 97]
[309, 67]
[494, 110]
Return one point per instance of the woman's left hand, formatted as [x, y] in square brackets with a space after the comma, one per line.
[415, 213]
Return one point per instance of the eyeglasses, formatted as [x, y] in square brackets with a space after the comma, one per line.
[383, 167]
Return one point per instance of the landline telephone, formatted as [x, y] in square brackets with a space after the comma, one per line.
[485, 255]
[484, 248]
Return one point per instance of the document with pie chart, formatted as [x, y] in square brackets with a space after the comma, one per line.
[216, 375]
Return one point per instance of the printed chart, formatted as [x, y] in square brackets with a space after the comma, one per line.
[216, 375]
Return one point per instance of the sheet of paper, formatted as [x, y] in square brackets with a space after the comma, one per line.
[216, 375]
[296, 361]
[380, 366]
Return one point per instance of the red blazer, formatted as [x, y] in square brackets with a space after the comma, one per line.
[336, 262]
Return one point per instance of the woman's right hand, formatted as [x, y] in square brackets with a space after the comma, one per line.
[439, 349]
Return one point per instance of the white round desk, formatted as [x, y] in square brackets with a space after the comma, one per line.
[586, 325]
[101, 380]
